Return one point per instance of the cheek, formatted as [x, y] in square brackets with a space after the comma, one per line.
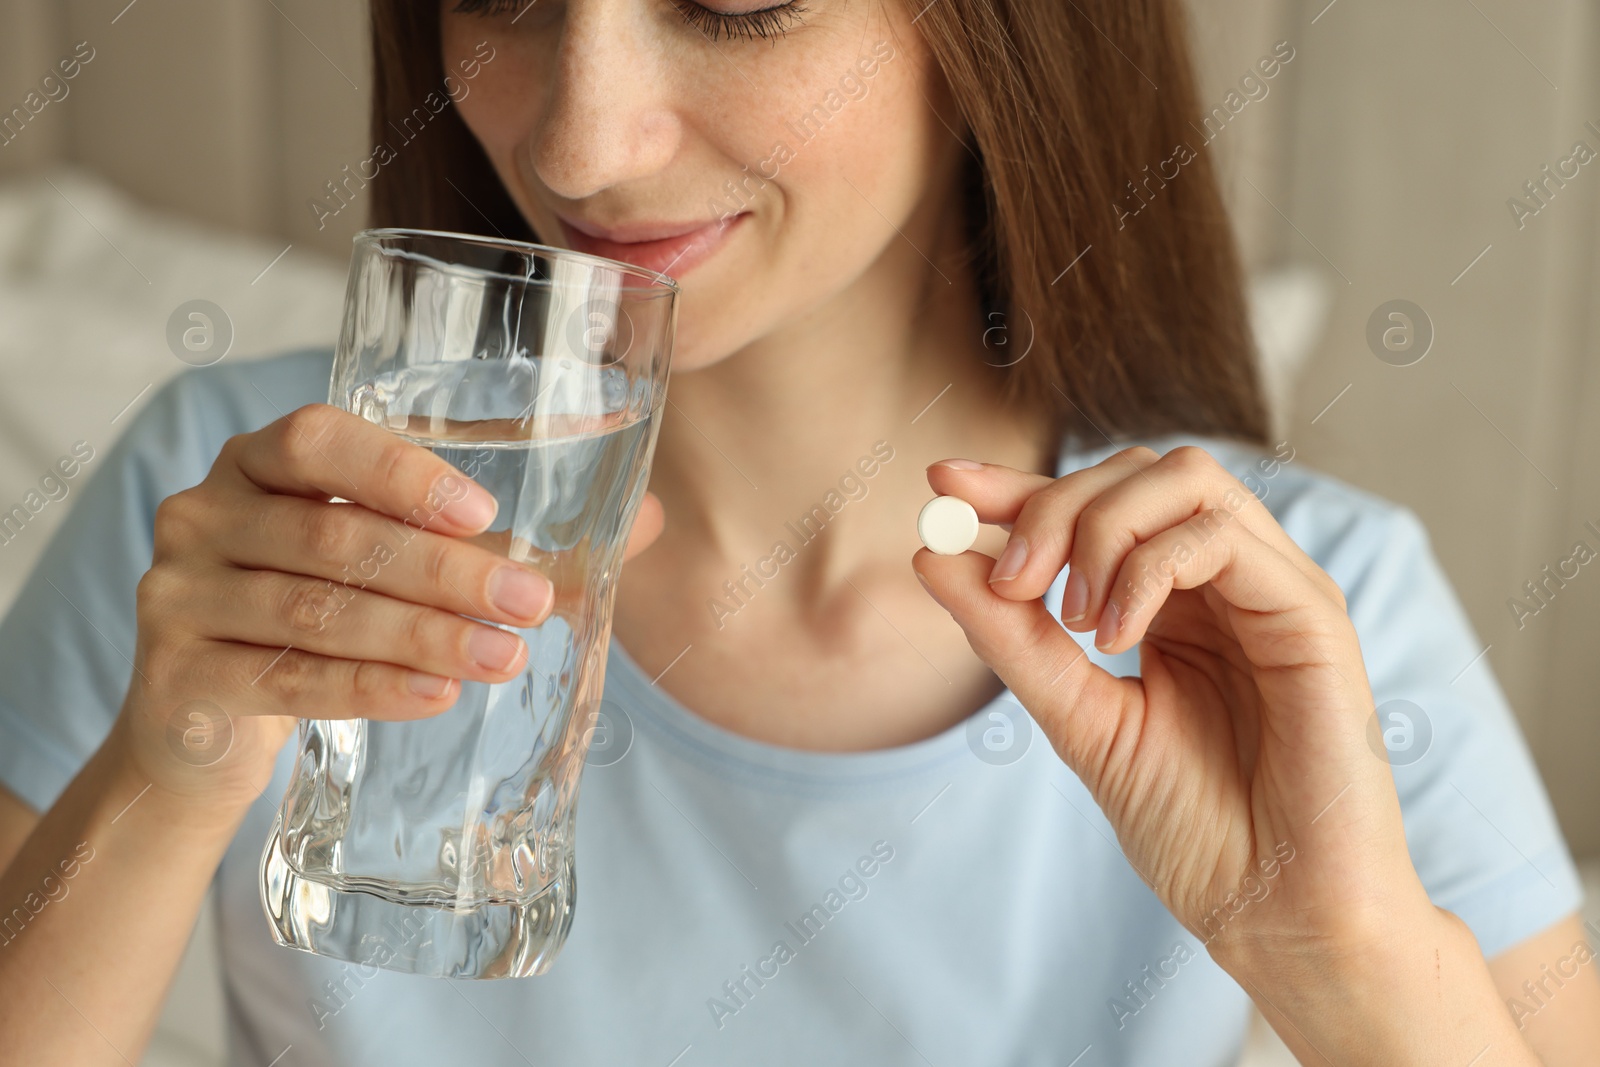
[855, 181]
[505, 99]
[838, 186]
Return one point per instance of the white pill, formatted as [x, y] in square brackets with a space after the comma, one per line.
[948, 525]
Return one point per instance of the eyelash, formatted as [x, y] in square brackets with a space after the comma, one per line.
[766, 24]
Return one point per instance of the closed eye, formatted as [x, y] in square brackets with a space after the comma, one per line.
[767, 23]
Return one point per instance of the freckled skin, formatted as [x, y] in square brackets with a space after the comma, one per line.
[620, 110]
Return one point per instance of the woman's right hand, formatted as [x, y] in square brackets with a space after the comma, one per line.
[266, 601]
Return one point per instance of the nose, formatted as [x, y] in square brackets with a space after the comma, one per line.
[607, 116]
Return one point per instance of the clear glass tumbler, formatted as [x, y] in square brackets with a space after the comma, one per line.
[445, 846]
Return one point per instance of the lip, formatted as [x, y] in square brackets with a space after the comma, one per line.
[670, 248]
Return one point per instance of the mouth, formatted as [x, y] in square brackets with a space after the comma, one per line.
[669, 248]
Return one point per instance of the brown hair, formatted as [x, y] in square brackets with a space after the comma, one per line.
[1069, 107]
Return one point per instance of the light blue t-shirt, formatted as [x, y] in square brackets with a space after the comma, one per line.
[743, 903]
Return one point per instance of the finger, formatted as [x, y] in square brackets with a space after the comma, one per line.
[1180, 485]
[1095, 530]
[1283, 620]
[357, 548]
[1042, 512]
[1107, 528]
[997, 492]
[284, 610]
[1077, 703]
[647, 526]
[252, 680]
[319, 451]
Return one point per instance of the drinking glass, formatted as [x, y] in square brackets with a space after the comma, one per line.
[444, 846]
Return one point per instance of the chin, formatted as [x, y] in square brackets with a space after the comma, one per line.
[716, 319]
[692, 350]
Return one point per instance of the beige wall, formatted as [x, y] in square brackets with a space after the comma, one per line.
[232, 111]
[1415, 124]
[1383, 156]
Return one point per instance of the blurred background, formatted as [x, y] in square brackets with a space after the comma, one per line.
[1426, 153]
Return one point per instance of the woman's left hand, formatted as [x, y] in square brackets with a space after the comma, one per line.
[1240, 754]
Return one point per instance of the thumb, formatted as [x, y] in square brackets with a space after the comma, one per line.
[1078, 704]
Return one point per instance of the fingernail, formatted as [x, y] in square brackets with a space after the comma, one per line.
[1110, 622]
[519, 591]
[959, 464]
[929, 588]
[1009, 565]
[475, 510]
[428, 685]
[491, 649]
[1075, 597]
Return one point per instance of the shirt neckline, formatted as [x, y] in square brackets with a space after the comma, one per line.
[716, 746]
[772, 765]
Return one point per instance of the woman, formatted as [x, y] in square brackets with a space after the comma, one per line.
[855, 846]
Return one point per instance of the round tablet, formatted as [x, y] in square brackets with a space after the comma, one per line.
[948, 525]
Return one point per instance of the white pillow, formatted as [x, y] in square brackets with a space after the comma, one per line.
[88, 280]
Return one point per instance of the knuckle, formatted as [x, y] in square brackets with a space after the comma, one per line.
[1208, 523]
[1095, 524]
[1140, 454]
[285, 439]
[303, 605]
[1038, 515]
[157, 593]
[1191, 458]
[330, 533]
[1236, 497]
[1057, 492]
[405, 467]
[229, 452]
[392, 459]
[292, 679]
[179, 519]
[370, 682]
[1151, 562]
[317, 420]
[419, 633]
[300, 435]
[436, 558]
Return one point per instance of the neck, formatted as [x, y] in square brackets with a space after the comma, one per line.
[755, 443]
